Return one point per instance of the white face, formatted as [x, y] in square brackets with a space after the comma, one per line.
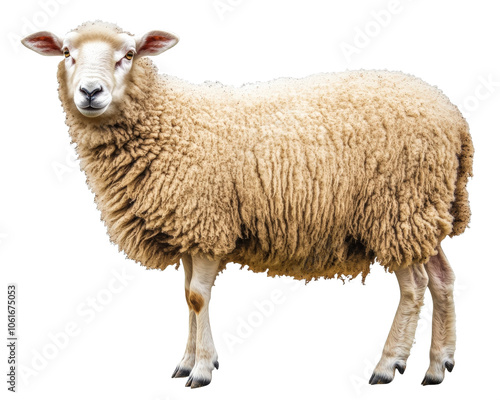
[97, 69]
[96, 72]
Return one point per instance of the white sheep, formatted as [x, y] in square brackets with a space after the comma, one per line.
[313, 177]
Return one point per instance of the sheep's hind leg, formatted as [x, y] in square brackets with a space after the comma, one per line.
[412, 281]
[184, 368]
[204, 273]
[441, 279]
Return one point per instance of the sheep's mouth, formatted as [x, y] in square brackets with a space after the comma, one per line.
[91, 111]
[91, 107]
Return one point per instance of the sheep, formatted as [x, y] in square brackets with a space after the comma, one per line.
[309, 178]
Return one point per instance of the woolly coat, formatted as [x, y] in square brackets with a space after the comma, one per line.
[313, 177]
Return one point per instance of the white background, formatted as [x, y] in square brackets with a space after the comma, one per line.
[320, 340]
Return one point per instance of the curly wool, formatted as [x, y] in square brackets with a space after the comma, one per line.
[313, 177]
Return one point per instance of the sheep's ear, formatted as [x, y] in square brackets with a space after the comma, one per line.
[44, 43]
[155, 42]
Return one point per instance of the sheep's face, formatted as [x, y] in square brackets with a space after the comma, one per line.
[97, 62]
[96, 71]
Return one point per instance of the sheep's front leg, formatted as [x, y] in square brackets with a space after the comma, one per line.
[441, 279]
[200, 287]
[184, 368]
[412, 283]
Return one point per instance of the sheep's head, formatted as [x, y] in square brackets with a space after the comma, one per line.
[98, 59]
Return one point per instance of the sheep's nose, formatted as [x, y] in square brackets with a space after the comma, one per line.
[89, 93]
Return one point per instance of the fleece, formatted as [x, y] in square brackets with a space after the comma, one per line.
[313, 177]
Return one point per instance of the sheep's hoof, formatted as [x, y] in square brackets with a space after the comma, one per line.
[201, 375]
[435, 373]
[431, 380]
[377, 379]
[194, 383]
[385, 374]
[180, 372]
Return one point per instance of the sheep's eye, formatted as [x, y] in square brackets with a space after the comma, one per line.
[129, 55]
[66, 53]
